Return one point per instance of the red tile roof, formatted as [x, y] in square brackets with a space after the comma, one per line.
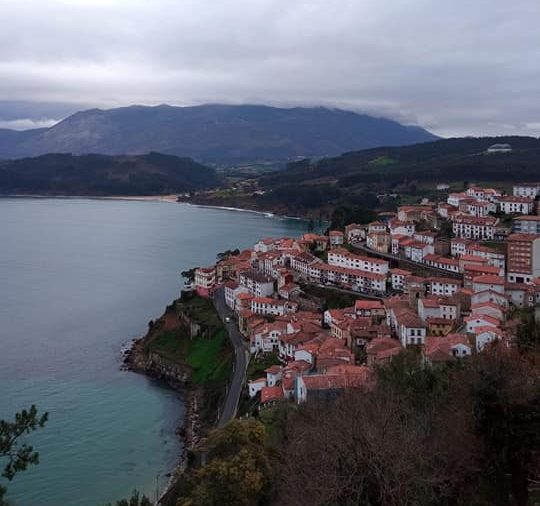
[269, 394]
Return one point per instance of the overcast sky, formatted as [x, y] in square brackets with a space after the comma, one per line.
[458, 67]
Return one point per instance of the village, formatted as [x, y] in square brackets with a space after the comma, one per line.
[444, 278]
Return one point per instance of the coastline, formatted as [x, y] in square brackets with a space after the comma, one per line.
[171, 198]
[187, 429]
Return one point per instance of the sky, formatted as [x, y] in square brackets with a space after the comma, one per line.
[459, 67]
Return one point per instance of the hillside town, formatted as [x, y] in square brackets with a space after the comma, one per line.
[446, 278]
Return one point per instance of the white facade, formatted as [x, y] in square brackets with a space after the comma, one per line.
[342, 258]
[258, 284]
[516, 205]
[531, 190]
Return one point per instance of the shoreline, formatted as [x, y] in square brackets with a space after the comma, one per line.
[171, 198]
[185, 428]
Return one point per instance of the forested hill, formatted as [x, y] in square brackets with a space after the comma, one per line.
[217, 134]
[356, 178]
[66, 174]
[443, 160]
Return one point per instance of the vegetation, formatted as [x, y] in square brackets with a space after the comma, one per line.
[237, 471]
[332, 299]
[17, 454]
[191, 334]
[66, 174]
[465, 434]
[343, 215]
[257, 365]
[135, 500]
[356, 178]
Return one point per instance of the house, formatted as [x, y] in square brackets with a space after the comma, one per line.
[381, 350]
[265, 245]
[255, 386]
[443, 286]
[271, 395]
[439, 326]
[397, 278]
[329, 386]
[488, 308]
[446, 349]
[493, 283]
[410, 329]
[398, 227]
[303, 261]
[458, 246]
[355, 232]
[289, 291]
[454, 199]
[473, 227]
[376, 226]
[416, 250]
[523, 258]
[520, 294]
[526, 225]
[486, 335]
[343, 258]
[205, 281]
[265, 336]
[232, 289]
[480, 208]
[379, 241]
[528, 190]
[489, 296]
[336, 238]
[480, 320]
[257, 283]
[493, 256]
[272, 307]
[372, 308]
[442, 262]
[273, 375]
[472, 271]
[516, 205]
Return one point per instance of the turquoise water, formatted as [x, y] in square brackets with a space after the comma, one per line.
[79, 278]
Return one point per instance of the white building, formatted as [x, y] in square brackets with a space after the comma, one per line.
[343, 258]
[257, 283]
[529, 190]
[472, 227]
[516, 205]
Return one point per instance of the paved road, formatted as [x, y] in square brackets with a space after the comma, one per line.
[240, 359]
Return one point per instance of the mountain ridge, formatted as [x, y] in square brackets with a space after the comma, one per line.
[212, 133]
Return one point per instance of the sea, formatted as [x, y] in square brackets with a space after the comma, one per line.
[79, 279]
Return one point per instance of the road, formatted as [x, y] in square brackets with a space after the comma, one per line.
[240, 359]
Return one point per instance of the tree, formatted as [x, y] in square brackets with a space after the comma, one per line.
[238, 469]
[135, 500]
[18, 454]
[503, 391]
[189, 274]
[227, 253]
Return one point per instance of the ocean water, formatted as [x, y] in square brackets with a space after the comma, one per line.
[78, 279]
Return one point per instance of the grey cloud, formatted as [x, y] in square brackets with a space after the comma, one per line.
[457, 68]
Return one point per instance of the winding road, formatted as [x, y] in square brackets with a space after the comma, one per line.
[241, 359]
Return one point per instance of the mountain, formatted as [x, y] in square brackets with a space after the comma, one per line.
[66, 174]
[218, 134]
[411, 172]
